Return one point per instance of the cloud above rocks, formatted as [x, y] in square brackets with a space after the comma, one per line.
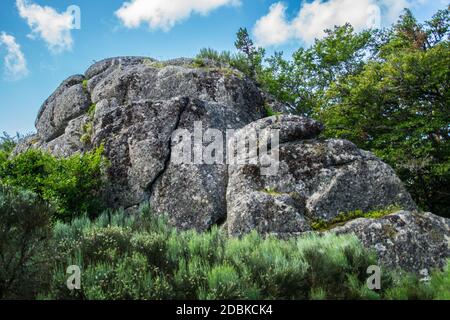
[165, 14]
[48, 24]
[15, 64]
[316, 16]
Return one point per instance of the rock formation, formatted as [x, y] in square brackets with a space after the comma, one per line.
[317, 179]
[133, 105]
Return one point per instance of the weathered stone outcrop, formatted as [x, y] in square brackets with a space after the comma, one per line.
[317, 179]
[139, 103]
[133, 106]
[416, 242]
[68, 102]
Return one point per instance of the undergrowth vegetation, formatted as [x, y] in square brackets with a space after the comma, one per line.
[142, 257]
[25, 233]
[73, 185]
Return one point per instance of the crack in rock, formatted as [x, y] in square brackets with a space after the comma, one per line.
[151, 186]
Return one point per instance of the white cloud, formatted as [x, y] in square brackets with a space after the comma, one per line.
[314, 17]
[45, 22]
[164, 14]
[273, 28]
[15, 62]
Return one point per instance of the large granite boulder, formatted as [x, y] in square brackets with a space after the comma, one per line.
[68, 102]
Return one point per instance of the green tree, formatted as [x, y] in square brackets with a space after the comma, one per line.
[7, 145]
[303, 81]
[254, 56]
[386, 90]
[438, 27]
[398, 106]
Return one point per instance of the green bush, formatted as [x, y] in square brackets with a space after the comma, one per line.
[141, 257]
[225, 59]
[72, 185]
[410, 287]
[7, 145]
[440, 284]
[25, 232]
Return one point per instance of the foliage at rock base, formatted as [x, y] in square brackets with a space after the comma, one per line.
[140, 257]
[73, 186]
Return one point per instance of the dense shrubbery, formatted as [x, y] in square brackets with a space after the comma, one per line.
[398, 105]
[25, 231]
[7, 144]
[73, 186]
[141, 257]
[248, 60]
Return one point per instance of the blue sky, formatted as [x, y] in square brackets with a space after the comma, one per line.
[39, 48]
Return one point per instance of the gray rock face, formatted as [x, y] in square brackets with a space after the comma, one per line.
[316, 180]
[416, 242]
[139, 103]
[69, 101]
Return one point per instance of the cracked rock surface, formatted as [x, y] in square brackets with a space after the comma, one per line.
[139, 103]
[317, 179]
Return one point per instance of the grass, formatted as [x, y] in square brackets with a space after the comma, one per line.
[88, 127]
[343, 218]
[270, 112]
[272, 192]
[198, 63]
[153, 64]
[230, 73]
[223, 68]
[141, 257]
[91, 111]
[88, 130]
